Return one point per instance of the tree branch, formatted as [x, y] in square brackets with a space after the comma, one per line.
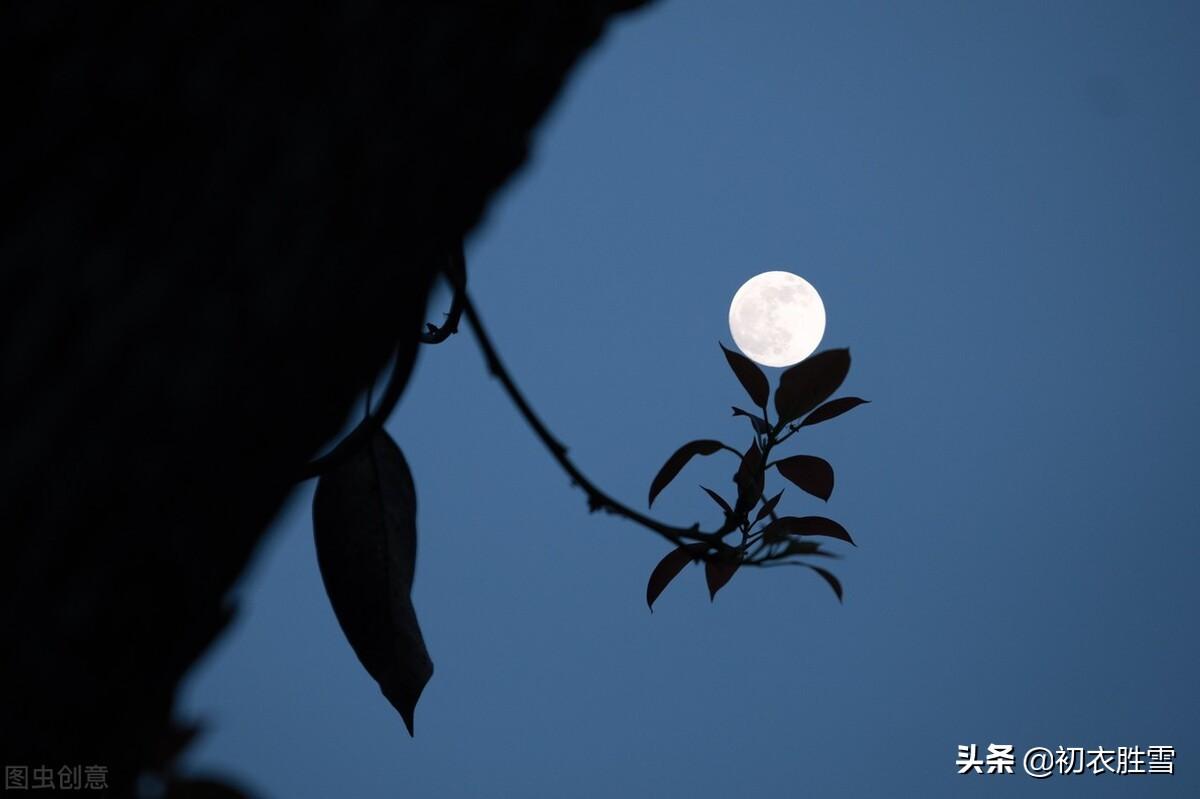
[456, 265]
[220, 222]
[597, 499]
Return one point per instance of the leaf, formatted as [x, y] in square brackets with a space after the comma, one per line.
[828, 577]
[786, 526]
[750, 376]
[717, 498]
[719, 572]
[676, 462]
[831, 409]
[819, 525]
[809, 383]
[767, 508]
[668, 569]
[749, 480]
[760, 424]
[811, 473]
[364, 524]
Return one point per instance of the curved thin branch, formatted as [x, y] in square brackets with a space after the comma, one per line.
[456, 271]
[597, 499]
[456, 266]
[359, 435]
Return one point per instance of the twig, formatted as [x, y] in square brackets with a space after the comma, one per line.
[457, 267]
[456, 272]
[359, 435]
[597, 499]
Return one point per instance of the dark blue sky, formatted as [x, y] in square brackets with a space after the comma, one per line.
[999, 204]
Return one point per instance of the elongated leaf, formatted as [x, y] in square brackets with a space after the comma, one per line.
[717, 498]
[767, 507]
[719, 572]
[828, 577]
[750, 376]
[760, 424]
[676, 462]
[365, 526]
[811, 473]
[668, 569]
[831, 409]
[809, 383]
[786, 526]
[749, 480]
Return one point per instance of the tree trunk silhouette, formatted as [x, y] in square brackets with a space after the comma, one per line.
[219, 221]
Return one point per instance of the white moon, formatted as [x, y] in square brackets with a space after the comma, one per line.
[777, 318]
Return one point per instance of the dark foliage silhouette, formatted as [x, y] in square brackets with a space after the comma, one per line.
[762, 537]
[677, 461]
[365, 526]
[365, 505]
[218, 222]
[211, 210]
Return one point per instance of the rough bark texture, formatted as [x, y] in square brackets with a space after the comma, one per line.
[218, 220]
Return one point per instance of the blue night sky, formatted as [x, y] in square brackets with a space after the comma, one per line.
[998, 203]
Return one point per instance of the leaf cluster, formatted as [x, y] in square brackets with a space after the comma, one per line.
[754, 532]
[364, 509]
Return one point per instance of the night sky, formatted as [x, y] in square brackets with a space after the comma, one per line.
[998, 203]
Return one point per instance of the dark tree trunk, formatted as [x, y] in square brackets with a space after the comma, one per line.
[219, 219]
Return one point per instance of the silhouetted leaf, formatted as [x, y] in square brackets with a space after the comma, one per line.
[829, 578]
[831, 409]
[749, 480]
[809, 383]
[719, 571]
[668, 569]
[811, 473]
[364, 523]
[760, 424]
[786, 526]
[776, 530]
[750, 376]
[717, 498]
[767, 507]
[677, 461]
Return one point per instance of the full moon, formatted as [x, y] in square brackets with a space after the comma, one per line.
[777, 318]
